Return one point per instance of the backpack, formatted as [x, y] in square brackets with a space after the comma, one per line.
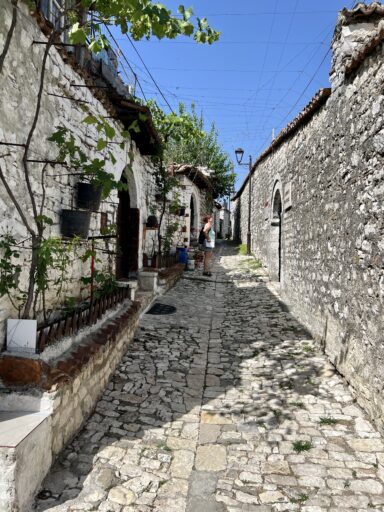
[201, 236]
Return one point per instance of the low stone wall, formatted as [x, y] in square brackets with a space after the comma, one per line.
[75, 381]
[67, 388]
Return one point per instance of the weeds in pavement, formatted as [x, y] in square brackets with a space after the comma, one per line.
[328, 421]
[243, 249]
[302, 446]
[308, 348]
[300, 405]
[301, 499]
[164, 447]
[347, 484]
[354, 473]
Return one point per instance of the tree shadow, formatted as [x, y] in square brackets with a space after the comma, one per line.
[233, 352]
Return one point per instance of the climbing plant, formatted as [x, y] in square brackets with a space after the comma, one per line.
[140, 18]
[187, 142]
[84, 19]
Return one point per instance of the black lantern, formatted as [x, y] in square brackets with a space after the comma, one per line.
[239, 155]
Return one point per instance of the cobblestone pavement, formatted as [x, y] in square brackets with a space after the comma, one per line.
[226, 405]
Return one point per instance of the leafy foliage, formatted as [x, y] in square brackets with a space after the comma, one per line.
[140, 18]
[187, 142]
[302, 446]
[105, 283]
[93, 170]
[9, 270]
[170, 230]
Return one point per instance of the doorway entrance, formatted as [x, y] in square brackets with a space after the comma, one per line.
[276, 238]
[128, 223]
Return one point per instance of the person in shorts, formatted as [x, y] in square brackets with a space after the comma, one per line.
[209, 243]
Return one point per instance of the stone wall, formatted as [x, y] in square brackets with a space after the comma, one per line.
[317, 213]
[62, 105]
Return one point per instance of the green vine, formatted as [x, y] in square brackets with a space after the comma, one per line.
[10, 271]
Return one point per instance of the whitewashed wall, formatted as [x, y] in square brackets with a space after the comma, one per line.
[19, 82]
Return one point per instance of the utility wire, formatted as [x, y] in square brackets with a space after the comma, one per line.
[126, 60]
[149, 73]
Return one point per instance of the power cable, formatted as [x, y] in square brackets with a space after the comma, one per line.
[149, 73]
[126, 60]
[282, 53]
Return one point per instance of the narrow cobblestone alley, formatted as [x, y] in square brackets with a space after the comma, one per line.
[226, 405]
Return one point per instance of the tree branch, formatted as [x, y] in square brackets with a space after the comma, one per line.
[9, 35]
[43, 188]
[34, 123]
[15, 202]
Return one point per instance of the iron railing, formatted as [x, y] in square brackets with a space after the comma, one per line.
[70, 324]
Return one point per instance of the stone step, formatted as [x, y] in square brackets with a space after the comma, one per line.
[24, 457]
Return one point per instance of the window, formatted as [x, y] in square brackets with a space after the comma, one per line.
[53, 10]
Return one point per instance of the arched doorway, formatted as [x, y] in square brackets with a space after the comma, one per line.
[194, 227]
[276, 237]
[128, 222]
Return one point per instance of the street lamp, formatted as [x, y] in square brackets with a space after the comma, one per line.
[239, 157]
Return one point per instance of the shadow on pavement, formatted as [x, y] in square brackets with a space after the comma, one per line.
[232, 348]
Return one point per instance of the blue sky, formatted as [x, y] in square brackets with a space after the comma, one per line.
[270, 60]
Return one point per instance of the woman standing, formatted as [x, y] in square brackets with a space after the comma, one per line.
[209, 242]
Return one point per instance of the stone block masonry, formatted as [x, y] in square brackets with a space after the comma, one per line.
[65, 391]
[62, 105]
[317, 209]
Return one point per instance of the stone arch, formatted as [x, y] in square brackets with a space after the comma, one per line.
[128, 228]
[276, 233]
[194, 221]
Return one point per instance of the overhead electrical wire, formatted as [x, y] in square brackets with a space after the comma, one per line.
[312, 78]
[126, 60]
[149, 73]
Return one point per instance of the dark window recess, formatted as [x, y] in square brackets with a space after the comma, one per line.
[103, 221]
[161, 309]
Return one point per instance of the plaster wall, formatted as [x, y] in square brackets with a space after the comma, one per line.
[330, 175]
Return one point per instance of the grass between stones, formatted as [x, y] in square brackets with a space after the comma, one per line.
[300, 405]
[243, 249]
[164, 447]
[328, 421]
[301, 499]
[302, 446]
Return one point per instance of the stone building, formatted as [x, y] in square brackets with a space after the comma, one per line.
[196, 194]
[45, 397]
[317, 208]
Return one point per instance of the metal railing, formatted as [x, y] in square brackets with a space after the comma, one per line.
[70, 324]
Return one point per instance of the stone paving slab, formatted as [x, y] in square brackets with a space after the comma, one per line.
[226, 405]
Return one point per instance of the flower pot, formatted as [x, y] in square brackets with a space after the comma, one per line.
[191, 265]
[152, 221]
[88, 196]
[21, 336]
[75, 223]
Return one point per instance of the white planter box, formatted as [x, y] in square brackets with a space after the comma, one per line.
[148, 281]
[21, 336]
